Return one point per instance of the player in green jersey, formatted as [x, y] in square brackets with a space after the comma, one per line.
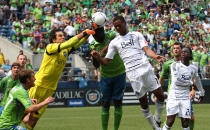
[19, 102]
[7, 83]
[113, 78]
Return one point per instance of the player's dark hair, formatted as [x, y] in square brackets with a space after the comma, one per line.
[24, 75]
[15, 64]
[99, 30]
[53, 34]
[178, 43]
[190, 51]
[99, 35]
[21, 55]
[121, 18]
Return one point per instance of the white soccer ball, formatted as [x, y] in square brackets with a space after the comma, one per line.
[99, 18]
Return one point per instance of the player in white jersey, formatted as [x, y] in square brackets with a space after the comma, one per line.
[131, 47]
[179, 94]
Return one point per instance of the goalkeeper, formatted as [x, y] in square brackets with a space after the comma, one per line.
[52, 65]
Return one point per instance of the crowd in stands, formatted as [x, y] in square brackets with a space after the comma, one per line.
[162, 22]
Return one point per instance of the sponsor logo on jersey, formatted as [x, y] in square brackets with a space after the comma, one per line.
[127, 44]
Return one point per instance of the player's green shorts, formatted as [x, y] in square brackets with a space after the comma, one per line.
[40, 94]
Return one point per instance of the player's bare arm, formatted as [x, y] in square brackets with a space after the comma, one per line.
[192, 93]
[104, 50]
[151, 54]
[36, 107]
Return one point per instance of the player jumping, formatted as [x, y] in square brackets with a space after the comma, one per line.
[131, 47]
[53, 63]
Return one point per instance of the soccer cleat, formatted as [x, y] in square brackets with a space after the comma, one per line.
[157, 124]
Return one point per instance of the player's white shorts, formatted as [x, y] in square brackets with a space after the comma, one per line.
[180, 107]
[143, 80]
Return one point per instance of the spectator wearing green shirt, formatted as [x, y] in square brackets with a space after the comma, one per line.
[19, 102]
[25, 32]
[195, 56]
[203, 62]
[13, 4]
[27, 20]
[38, 13]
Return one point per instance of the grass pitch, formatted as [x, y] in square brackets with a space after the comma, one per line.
[88, 118]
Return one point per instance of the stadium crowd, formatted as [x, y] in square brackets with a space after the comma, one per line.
[162, 22]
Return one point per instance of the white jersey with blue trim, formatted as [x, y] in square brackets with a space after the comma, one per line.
[181, 81]
[130, 50]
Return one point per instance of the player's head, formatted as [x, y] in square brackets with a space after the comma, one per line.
[56, 36]
[21, 59]
[99, 35]
[15, 68]
[120, 25]
[177, 48]
[186, 54]
[27, 78]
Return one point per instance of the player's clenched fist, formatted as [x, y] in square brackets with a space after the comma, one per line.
[95, 54]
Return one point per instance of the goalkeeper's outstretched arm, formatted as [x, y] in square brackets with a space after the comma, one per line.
[77, 40]
[74, 42]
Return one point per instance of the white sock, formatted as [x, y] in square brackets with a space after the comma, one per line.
[188, 128]
[165, 127]
[148, 115]
[159, 109]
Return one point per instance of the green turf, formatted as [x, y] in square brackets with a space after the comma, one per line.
[88, 118]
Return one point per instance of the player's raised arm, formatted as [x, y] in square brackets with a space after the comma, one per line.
[151, 54]
[58, 42]
[85, 35]
[76, 39]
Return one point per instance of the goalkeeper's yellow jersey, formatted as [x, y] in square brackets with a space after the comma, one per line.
[53, 63]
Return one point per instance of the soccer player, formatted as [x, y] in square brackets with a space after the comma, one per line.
[113, 78]
[53, 63]
[19, 102]
[21, 59]
[179, 95]
[131, 47]
[166, 71]
[7, 83]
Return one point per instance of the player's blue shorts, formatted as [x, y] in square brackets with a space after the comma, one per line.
[192, 112]
[1, 109]
[112, 88]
